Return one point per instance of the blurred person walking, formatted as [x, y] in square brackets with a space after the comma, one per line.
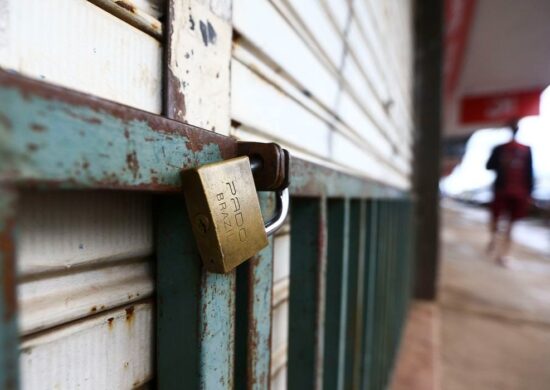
[513, 165]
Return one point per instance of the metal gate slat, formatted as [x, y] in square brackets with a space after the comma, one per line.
[9, 356]
[178, 297]
[371, 239]
[355, 293]
[307, 288]
[254, 314]
[336, 293]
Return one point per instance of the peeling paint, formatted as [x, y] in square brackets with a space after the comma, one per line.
[60, 138]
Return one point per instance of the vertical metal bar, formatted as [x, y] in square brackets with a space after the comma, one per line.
[381, 318]
[9, 356]
[371, 253]
[178, 296]
[217, 330]
[379, 296]
[259, 325]
[191, 300]
[253, 314]
[195, 309]
[355, 293]
[307, 293]
[336, 294]
[393, 290]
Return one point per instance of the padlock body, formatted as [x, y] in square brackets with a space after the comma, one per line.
[225, 213]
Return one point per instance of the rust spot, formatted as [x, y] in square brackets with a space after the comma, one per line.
[37, 128]
[84, 118]
[32, 147]
[93, 309]
[126, 6]
[175, 99]
[68, 103]
[236, 36]
[5, 121]
[132, 163]
[126, 133]
[93, 121]
[86, 165]
[110, 323]
[130, 313]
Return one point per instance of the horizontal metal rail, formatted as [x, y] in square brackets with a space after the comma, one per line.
[55, 137]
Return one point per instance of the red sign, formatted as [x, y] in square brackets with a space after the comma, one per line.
[458, 19]
[499, 108]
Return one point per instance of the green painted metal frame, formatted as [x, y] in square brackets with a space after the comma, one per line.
[57, 138]
[9, 364]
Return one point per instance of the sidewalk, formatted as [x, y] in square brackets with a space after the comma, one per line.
[494, 322]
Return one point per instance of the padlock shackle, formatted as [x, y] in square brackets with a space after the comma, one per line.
[281, 211]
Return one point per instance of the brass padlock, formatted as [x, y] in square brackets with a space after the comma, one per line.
[225, 213]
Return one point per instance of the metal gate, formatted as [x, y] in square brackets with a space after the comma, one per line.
[350, 247]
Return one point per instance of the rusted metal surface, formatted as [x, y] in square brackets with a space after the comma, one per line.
[204, 300]
[270, 163]
[217, 310]
[310, 179]
[66, 139]
[9, 364]
[260, 282]
[133, 15]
